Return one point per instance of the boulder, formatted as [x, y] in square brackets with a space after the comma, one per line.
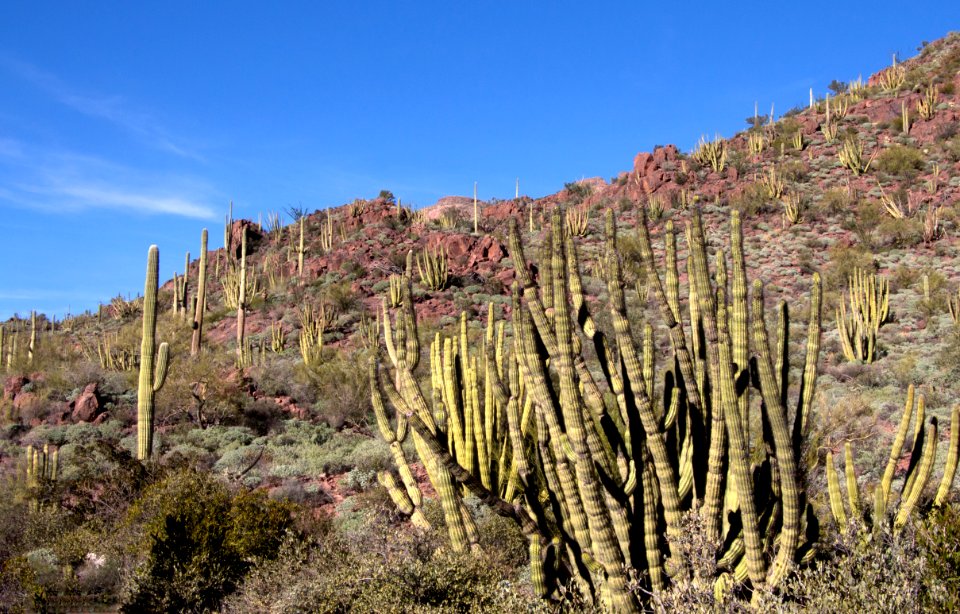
[86, 406]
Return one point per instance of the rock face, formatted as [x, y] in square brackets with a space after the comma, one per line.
[86, 407]
[254, 236]
[13, 386]
[648, 168]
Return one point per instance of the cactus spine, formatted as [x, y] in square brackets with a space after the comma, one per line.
[201, 302]
[153, 369]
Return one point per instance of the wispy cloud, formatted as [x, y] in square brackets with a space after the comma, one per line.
[111, 108]
[55, 180]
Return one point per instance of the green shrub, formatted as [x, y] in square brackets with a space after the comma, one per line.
[198, 542]
[900, 161]
[939, 537]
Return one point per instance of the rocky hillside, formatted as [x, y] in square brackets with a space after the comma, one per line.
[863, 180]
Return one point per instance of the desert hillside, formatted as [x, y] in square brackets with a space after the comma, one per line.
[722, 376]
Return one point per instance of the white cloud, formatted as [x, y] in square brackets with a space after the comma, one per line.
[56, 180]
[114, 109]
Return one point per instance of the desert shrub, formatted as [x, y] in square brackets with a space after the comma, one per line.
[843, 261]
[900, 161]
[939, 538]
[836, 201]
[198, 542]
[577, 191]
[629, 247]
[379, 569]
[882, 572]
[751, 201]
[197, 391]
[906, 232]
[342, 388]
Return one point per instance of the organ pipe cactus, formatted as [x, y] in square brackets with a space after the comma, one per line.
[577, 221]
[590, 459]
[916, 479]
[850, 155]
[432, 266]
[869, 299]
[711, 153]
[927, 103]
[153, 369]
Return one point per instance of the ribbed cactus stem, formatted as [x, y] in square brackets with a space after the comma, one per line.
[33, 337]
[912, 496]
[780, 429]
[836, 498]
[300, 251]
[950, 469]
[153, 370]
[242, 294]
[195, 343]
[897, 447]
[853, 491]
[185, 287]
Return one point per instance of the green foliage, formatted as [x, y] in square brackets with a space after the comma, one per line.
[577, 191]
[199, 541]
[865, 573]
[387, 195]
[900, 161]
[380, 569]
[939, 537]
[844, 261]
[341, 388]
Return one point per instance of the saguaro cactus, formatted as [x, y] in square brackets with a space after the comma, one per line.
[201, 297]
[242, 300]
[33, 337]
[153, 370]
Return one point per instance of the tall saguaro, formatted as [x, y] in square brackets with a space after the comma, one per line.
[201, 296]
[242, 301]
[153, 372]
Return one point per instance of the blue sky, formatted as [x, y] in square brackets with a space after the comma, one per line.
[129, 123]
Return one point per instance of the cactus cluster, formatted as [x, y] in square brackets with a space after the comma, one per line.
[869, 299]
[850, 155]
[919, 471]
[771, 183]
[113, 358]
[314, 322]
[42, 465]
[432, 267]
[578, 220]
[591, 459]
[711, 153]
[927, 104]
